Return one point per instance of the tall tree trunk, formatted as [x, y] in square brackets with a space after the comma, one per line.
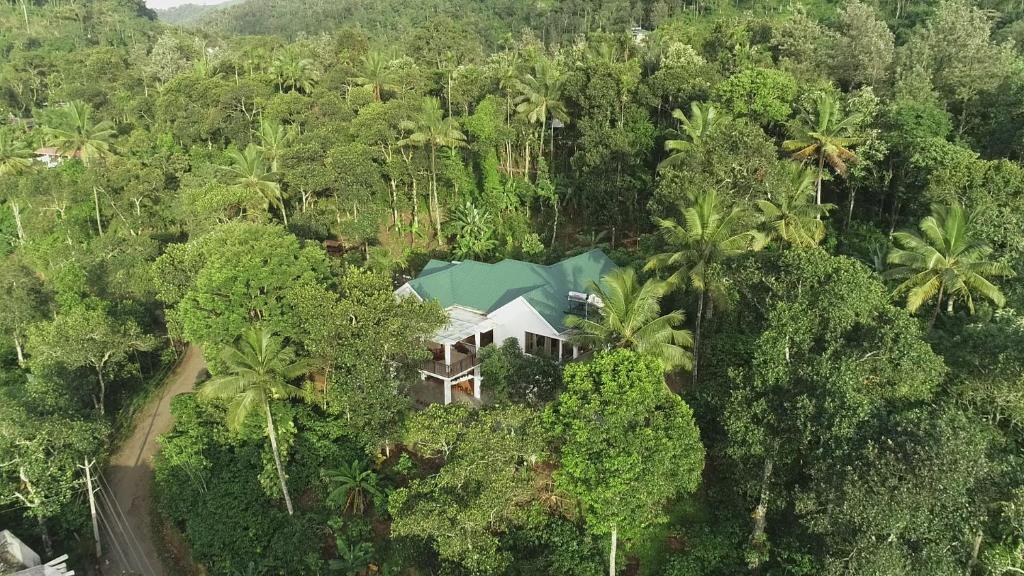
[938, 306]
[16, 210]
[434, 197]
[96, 202]
[284, 213]
[975, 549]
[543, 133]
[760, 514]
[821, 170]
[103, 390]
[611, 555]
[18, 349]
[44, 535]
[698, 321]
[272, 432]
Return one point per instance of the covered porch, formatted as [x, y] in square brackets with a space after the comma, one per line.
[455, 362]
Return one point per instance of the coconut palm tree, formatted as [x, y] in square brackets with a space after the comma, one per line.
[351, 486]
[692, 131]
[74, 133]
[376, 71]
[273, 141]
[540, 96]
[15, 156]
[248, 171]
[945, 262]
[823, 133]
[432, 130]
[789, 216]
[706, 234]
[294, 73]
[630, 317]
[256, 373]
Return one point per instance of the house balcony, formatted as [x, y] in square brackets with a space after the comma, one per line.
[463, 359]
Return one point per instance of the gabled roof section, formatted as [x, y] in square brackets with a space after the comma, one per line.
[486, 287]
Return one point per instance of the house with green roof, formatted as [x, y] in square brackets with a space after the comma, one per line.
[490, 303]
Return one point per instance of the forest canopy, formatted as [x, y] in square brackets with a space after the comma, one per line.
[808, 358]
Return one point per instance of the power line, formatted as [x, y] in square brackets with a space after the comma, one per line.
[131, 533]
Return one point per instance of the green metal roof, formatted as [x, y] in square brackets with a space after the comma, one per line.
[487, 287]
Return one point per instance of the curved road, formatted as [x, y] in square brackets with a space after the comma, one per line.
[130, 473]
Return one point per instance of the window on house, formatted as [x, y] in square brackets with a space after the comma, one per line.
[539, 345]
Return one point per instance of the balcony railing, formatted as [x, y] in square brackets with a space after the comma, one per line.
[462, 361]
[439, 368]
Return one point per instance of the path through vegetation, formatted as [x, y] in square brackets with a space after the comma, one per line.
[130, 473]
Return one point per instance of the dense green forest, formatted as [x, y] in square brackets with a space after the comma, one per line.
[811, 361]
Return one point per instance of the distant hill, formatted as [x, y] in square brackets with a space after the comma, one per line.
[191, 14]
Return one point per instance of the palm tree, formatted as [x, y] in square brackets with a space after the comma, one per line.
[15, 156]
[693, 130]
[273, 140]
[248, 171]
[705, 235]
[74, 134]
[294, 73]
[945, 262]
[376, 71]
[257, 371]
[630, 317]
[432, 130]
[352, 486]
[789, 216]
[823, 134]
[540, 97]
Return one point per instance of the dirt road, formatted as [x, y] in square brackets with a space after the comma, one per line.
[130, 473]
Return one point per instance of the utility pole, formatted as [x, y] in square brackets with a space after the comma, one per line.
[92, 507]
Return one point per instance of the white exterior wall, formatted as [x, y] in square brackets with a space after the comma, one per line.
[515, 319]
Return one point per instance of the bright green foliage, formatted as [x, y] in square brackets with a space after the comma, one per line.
[824, 135]
[86, 338]
[788, 215]
[522, 378]
[293, 72]
[352, 486]
[237, 275]
[256, 372]
[15, 156]
[628, 444]
[630, 317]
[249, 172]
[540, 97]
[377, 70]
[945, 261]
[706, 234]
[23, 304]
[693, 130]
[74, 133]
[763, 94]
[487, 484]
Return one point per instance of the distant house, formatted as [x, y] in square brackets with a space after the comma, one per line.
[490, 303]
[52, 157]
[639, 35]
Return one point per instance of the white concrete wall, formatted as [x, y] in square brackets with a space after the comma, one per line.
[515, 319]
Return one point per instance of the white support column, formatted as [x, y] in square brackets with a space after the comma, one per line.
[575, 351]
[448, 354]
[476, 341]
[476, 382]
[447, 391]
